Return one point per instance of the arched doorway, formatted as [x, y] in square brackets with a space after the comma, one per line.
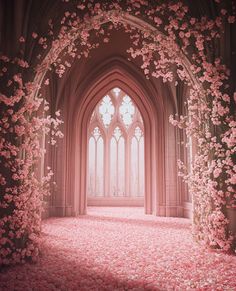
[115, 76]
[116, 152]
[163, 188]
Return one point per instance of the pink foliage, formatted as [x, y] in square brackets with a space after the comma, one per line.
[212, 178]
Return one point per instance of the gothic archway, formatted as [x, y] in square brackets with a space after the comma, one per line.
[162, 203]
[118, 77]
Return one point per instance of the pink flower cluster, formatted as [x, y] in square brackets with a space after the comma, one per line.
[212, 179]
[22, 126]
[99, 252]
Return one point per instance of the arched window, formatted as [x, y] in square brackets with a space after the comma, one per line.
[96, 163]
[137, 163]
[117, 163]
[116, 148]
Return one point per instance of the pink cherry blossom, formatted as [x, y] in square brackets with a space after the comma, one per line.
[231, 19]
[212, 177]
[34, 35]
[21, 39]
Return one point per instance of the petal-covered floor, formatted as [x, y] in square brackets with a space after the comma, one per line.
[121, 249]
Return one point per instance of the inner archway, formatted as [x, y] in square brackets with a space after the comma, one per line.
[116, 152]
[163, 189]
[117, 74]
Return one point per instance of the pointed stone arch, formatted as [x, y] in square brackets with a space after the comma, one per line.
[159, 197]
[117, 74]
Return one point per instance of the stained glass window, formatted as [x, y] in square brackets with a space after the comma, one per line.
[96, 164]
[116, 148]
[107, 110]
[137, 163]
[127, 110]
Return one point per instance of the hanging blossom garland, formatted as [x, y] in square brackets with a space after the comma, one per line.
[212, 179]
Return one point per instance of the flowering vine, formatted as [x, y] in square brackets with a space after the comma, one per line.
[22, 187]
[170, 38]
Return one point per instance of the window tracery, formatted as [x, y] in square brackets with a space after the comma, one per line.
[116, 91]
[117, 133]
[107, 110]
[116, 154]
[127, 110]
[96, 133]
[138, 133]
